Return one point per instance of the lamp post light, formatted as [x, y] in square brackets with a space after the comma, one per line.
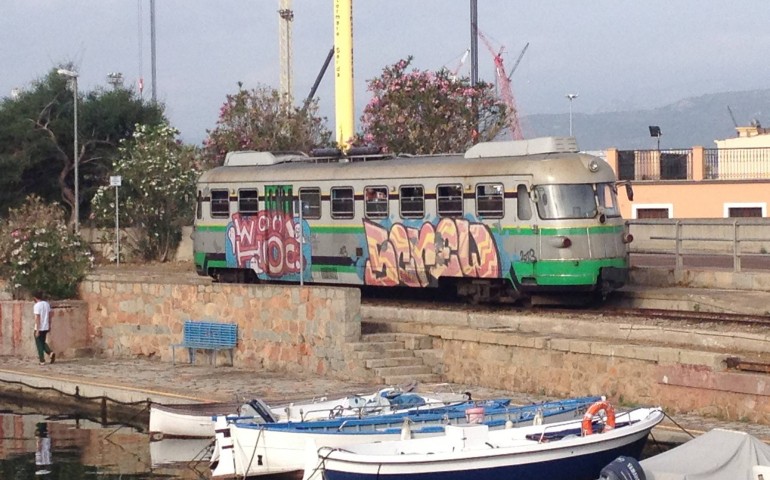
[73, 76]
[570, 97]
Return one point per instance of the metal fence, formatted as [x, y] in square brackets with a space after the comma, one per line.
[655, 164]
[743, 239]
[736, 163]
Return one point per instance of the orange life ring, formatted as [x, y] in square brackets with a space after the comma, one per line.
[588, 417]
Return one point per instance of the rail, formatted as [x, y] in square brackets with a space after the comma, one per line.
[740, 238]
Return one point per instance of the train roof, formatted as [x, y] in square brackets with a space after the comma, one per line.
[565, 165]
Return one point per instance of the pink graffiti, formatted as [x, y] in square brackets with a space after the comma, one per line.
[418, 257]
[266, 242]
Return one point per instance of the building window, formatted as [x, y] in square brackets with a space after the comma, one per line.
[311, 202]
[489, 200]
[376, 202]
[449, 200]
[523, 203]
[652, 210]
[248, 201]
[412, 199]
[220, 204]
[734, 210]
[342, 202]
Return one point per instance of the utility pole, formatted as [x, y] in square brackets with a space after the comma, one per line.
[285, 17]
[474, 43]
[152, 50]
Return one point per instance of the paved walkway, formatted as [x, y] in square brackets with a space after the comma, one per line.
[141, 379]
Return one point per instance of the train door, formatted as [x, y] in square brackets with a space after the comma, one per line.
[527, 247]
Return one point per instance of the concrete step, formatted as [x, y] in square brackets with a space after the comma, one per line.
[375, 346]
[380, 337]
[402, 370]
[392, 362]
[406, 379]
[395, 353]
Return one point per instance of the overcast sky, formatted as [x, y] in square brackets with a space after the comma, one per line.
[616, 54]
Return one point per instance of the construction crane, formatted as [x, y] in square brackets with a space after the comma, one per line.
[285, 17]
[504, 86]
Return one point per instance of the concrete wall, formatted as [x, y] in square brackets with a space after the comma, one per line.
[681, 370]
[69, 326]
[289, 328]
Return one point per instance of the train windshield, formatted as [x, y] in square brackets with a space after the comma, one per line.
[608, 199]
[566, 201]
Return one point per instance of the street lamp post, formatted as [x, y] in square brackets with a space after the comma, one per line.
[570, 97]
[74, 77]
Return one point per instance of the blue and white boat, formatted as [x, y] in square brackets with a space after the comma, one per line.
[245, 448]
[572, 450]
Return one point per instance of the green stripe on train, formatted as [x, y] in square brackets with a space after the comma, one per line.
[565, 272]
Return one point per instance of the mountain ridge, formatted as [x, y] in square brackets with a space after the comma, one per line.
[692, 121]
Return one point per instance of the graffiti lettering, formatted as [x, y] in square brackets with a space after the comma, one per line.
[528, 256]
[419, 257]
[266, 242]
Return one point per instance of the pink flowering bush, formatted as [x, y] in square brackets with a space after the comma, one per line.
[423, 112]
[261, 120]
[39, 253]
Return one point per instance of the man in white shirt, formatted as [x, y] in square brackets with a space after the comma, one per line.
[43, 315]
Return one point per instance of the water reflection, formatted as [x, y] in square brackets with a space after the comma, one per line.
[70, 448]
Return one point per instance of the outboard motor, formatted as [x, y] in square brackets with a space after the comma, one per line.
[623, 468]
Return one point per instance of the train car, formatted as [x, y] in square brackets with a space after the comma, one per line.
[505, 220]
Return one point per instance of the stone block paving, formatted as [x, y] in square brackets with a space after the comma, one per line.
[225, 383]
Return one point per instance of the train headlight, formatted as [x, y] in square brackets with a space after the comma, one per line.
[628, 238]
[593, 166]
[561, 242]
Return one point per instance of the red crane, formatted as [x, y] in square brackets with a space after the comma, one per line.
[504, 86]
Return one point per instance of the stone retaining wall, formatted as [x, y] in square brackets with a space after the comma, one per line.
[68, 336]
[289, 328]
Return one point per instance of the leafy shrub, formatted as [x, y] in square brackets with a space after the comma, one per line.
[39, 253]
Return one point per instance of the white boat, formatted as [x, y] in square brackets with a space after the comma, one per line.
[170, 451]
[195, 420]
[243, 448]
[572, 450]
[716, 455]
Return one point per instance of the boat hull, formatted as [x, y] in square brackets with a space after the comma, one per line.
[553, 452]
[256, 450]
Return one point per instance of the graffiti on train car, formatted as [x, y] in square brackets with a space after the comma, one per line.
[400, 255]
[267, 242]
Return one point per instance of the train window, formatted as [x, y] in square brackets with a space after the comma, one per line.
[523, 203]
[412, 200]
[376, 202]
[220, 204]
[489, 200]
[311, 202]
[248, 201]
[608, 199]
[566, 201]
[342, 202]
[449, 199]
[199, 206]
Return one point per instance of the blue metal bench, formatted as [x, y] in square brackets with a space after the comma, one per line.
[211, 336]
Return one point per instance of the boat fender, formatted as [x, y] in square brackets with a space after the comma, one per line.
[406, 429]
[623, 468]
[593, 410]
[474, 415]
[508, 424]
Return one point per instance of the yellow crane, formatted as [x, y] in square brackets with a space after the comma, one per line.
[343, 72]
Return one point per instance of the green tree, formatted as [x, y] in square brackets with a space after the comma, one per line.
[36, 139]
[261, 120]
[423, 112]
[39, 253]
[157, 192]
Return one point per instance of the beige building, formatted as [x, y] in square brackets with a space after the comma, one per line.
[731, 180]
